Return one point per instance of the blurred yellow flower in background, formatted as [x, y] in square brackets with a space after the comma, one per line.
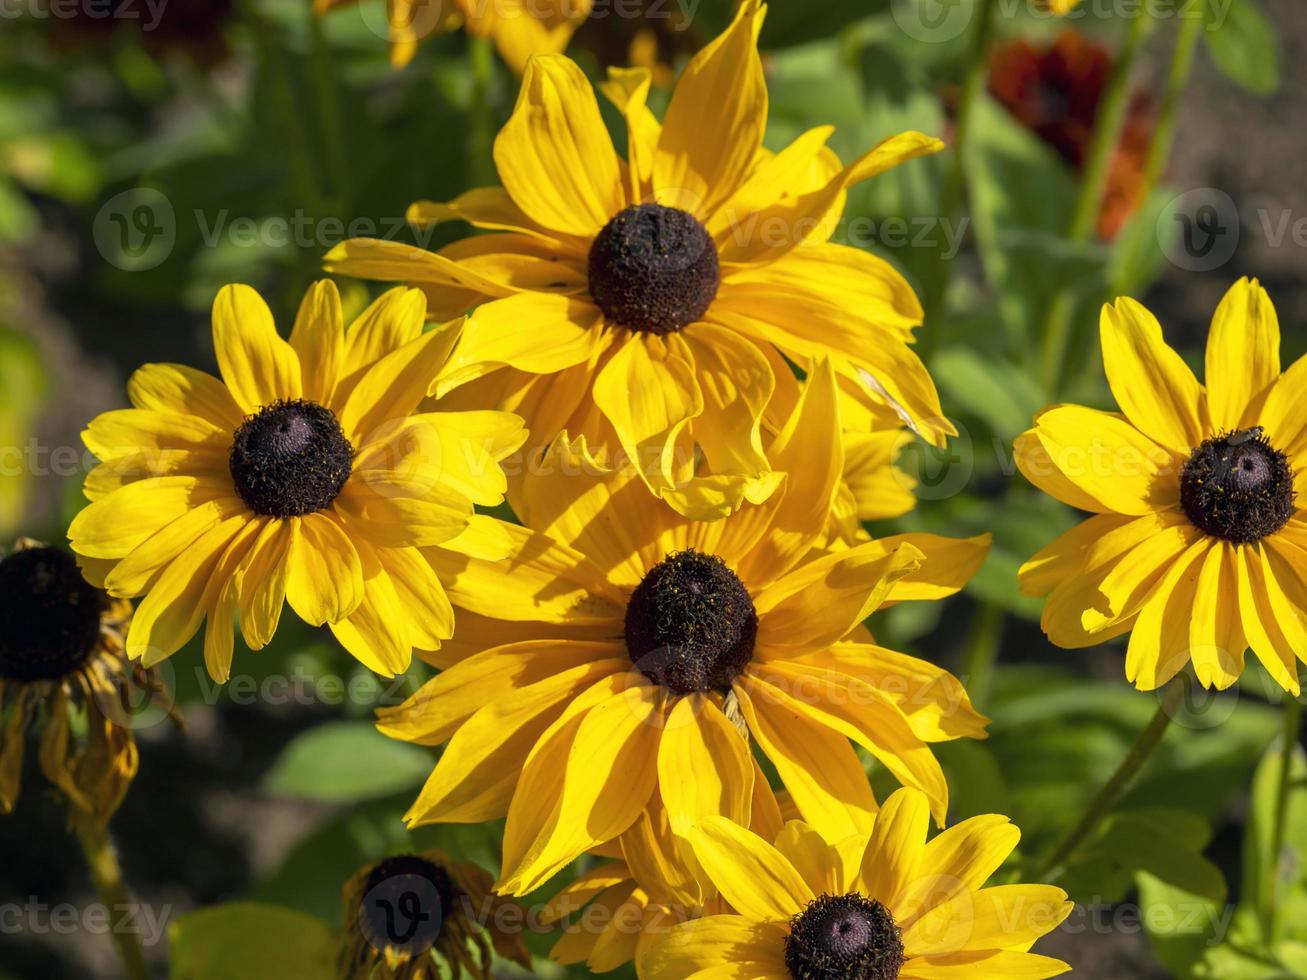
[305, 476]
[1199, 545]
[879, 905]
[519, 28]
[649, 303]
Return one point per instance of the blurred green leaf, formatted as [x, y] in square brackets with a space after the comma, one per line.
[1181, 925]
[245, 939]
[1243, 45]
[1264, 870]
[791, 24]
[345, 761]
[1000, 393]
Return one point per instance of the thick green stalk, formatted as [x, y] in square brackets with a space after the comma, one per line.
[1292, 726]
[1115, 787]
[107, 876]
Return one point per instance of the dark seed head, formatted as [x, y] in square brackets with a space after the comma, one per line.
[1237, 487]
[406, 902]
[653, 269]
[844, 937]
[289, 459]
[49, 615]
[690, 624]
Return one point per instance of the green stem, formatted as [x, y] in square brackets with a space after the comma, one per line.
[1115, 787]
[1177, 78]
[982, 652]
[1292, 725]
[1093, 183]
[481, 55]
[954, 188]
[327, 93]
[107, 876]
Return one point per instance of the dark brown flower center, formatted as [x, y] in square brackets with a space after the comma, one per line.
[690, 624]
[1238, 487]
[844, 937]
[653, 269]
[290, 458]
[407, 900]
[49, 615]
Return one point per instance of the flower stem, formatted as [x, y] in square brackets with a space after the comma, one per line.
[1292, 726]
[107, 876]
[481, 138]
[1093, 183]
[1159, 148]
[1115, 788]
[935, 290]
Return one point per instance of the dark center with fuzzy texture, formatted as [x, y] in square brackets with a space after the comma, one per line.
[844, 937]
[290, 458]
[653, 269]
[690, 624]
[49, 615]
[1238, 487]
[406, 901]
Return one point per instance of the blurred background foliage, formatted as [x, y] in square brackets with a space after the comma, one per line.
[238, 140]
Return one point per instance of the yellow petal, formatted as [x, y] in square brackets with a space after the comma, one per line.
[704, 766]
[736, 384]
[257, 365]
[1274, 629]
[391, 389]
[263, 578]
[715, 120]
[554, 155]
[387, 261]
[649, 392]
[130, 431]
[628, 90]
[117, 524]
[324, 580]
[947, 565]
[134, 574]
[757, 948]
[1216, 639]
[817, 765]
[751, 874]
[174, 389]
[1243, 355]
[318, 339]
[403, 514]
[483, 207]
[428, 614]
[219, 633]
[1284, 414]
[1159, 642]
[894, 851]
[1109, 459]
[1004, 917]
[958, 860]
[989, 965]
[1137, 555]
[1151, 382]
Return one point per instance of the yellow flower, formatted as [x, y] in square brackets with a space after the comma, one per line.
[61, 649]
[1198, 547]
[302, 476]
[425, 917]
[649, 303]
[615, 655]
[519, 28]
[879, 905]
[1059, 7]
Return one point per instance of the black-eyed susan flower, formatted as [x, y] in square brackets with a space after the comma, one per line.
[1198, 546]
[617, 656]
[884, 905]
[519, 28]
[303, 476]
[642, 302]
[426, 917]
[61, 654]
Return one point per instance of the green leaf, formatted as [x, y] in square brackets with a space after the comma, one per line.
[1181, 925]
[345, 761]
[1243, 46]
[1264, 870]
[246, 939]
[997, 392]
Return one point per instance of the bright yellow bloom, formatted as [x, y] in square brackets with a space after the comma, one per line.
[303, 476]
[1198, 547]
[425, 917]
[645, 303]
[519, 28]
[615, 654]
[62, 669]
[1059, 7]
[882, 904]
